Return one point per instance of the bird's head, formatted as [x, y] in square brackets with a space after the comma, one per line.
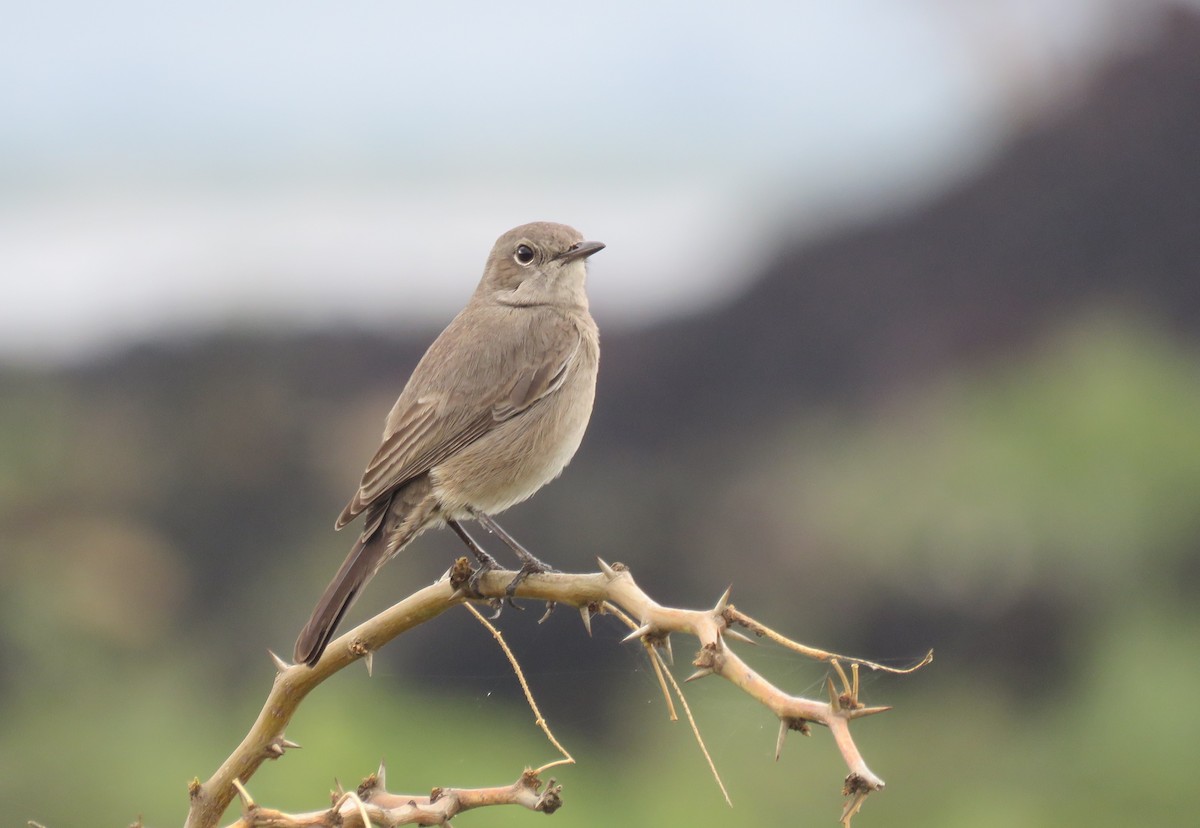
[538, 264]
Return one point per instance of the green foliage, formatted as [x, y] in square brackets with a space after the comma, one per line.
[1075, 464]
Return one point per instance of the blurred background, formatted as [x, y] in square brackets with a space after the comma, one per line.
[901, 318]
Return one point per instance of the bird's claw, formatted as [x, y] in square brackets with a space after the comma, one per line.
[486, 564]
[530, 567]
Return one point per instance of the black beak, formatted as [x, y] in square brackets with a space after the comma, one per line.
[581, 250]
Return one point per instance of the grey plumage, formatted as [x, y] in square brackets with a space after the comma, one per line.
[494, 410]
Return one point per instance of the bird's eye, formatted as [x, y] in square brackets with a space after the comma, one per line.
[524, 254]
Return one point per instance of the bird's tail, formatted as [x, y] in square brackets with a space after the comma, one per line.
[387, 531]
[360, 565]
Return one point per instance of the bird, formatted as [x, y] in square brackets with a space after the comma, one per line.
[493, 411]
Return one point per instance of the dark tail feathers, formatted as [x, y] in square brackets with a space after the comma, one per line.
[360, 565]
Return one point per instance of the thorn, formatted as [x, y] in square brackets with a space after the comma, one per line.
[667, 647]
[868, 711]
[369, 660]
[550, 605]
[276, 747]
[787, 723]
[723, 601]
[638, 633]
[280, 665]
[841, 675]
[699, 674]
[585, 612]
[381, 775]
[740, 636]
[834, 702]
[247, 800]
[606, 569]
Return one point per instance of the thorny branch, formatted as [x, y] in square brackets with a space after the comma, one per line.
[593, 593]
[371, 804]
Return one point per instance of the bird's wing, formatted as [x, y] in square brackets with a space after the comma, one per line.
[434, 426]
[537, 382]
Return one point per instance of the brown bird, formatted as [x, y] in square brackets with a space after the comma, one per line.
[494, 410]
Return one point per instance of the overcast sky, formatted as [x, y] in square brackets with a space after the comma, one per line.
[169, 168]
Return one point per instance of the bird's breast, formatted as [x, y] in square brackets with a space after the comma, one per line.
[519, 456]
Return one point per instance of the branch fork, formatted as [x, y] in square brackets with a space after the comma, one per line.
[612, 590]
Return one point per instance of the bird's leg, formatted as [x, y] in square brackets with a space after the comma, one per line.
[486, 562]
[529, 564]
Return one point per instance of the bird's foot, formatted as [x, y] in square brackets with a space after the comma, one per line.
[529, 566]
[486, 564]
[472, 587]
